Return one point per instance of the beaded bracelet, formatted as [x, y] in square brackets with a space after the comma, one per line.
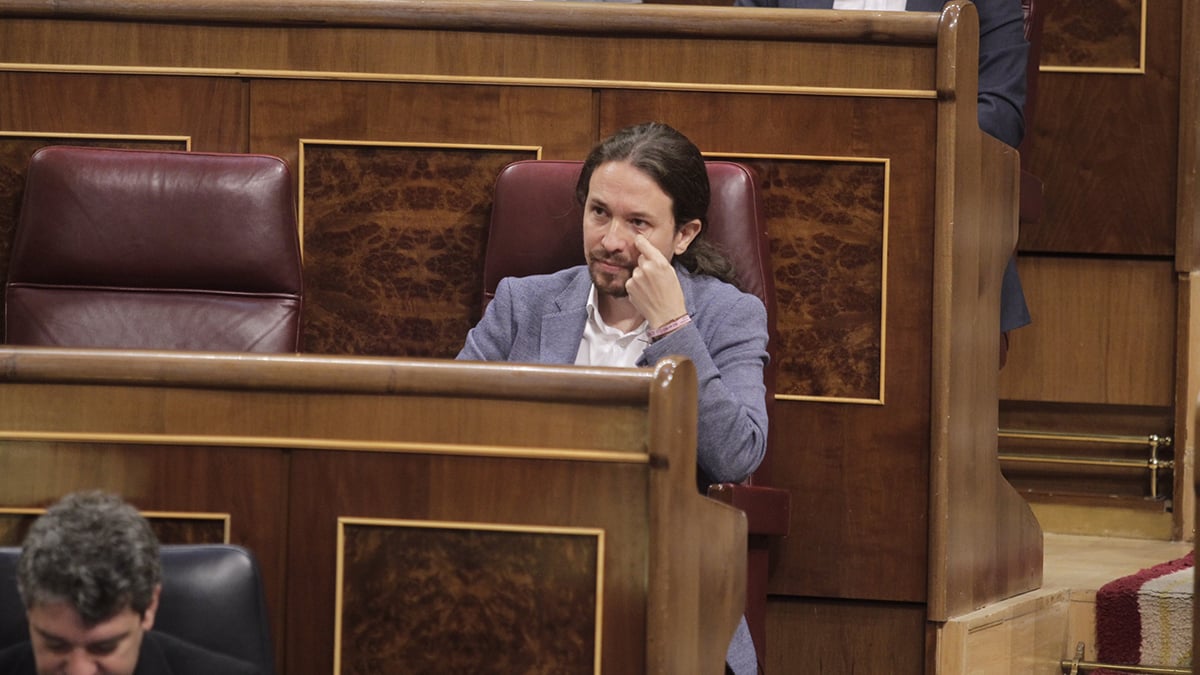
[668, 327]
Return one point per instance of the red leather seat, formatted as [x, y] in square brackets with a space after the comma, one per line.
[155, 250]
[537, 228]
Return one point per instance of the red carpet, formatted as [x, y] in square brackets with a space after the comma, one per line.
[1146, 618]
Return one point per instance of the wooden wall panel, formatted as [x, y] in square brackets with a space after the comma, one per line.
[879, 548]
[560, 122]
[446, 489]
[1104, 333]
[810, 635]
[396, 195]
[211, 111]
[1105, 144]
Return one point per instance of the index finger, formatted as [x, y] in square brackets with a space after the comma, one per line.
[646, 248]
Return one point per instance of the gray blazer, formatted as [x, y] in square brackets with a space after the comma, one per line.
[540, 319]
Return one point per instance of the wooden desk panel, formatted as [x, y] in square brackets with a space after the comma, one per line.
[296, 447]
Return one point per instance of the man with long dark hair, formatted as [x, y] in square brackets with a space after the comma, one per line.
[652, 287]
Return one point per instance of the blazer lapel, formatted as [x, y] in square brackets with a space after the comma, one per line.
[562, 328]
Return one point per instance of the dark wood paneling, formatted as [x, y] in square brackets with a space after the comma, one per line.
[174, 529]
[1105, 144]
[820, 449]
[809, 635]
[559, 121]
[439, 489]
[1104, 333]
[212, 111]
[394, 236]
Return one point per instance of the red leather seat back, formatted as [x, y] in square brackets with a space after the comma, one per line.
[155, 250]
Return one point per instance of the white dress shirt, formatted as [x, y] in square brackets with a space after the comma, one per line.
[873, 5]
[603, 345]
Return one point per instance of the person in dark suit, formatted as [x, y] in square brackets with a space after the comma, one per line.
[1003, 53]
[90, 578]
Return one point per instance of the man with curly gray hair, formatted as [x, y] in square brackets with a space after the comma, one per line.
[90, 578]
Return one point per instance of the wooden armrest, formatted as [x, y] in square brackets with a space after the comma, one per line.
[768, 510]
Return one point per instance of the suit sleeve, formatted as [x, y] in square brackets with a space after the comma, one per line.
[730, 353]
[492, 338]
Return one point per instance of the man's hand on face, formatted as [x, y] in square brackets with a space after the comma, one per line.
[653, 286]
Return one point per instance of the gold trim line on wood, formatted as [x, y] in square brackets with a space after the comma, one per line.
[865, 92]
[225, 518]
[469, 525]
[828, 399]
[416, 144]
[568, 454]
[1093, 70]
[175, 515]
[734, 156]
[187, 140]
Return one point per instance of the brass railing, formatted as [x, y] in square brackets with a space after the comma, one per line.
[1078, 665]
[1152, 463]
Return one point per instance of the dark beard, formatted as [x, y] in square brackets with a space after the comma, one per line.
[605, 282]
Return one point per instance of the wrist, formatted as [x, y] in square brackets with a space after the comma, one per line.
[668, 327]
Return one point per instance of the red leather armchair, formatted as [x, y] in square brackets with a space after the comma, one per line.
[155, 250]
[536, 228]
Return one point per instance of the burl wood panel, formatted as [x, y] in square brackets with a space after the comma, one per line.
[810, 635]
[1093, 33]
[185, 530]
[467, 600]
[827, 241]
[393, 246]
